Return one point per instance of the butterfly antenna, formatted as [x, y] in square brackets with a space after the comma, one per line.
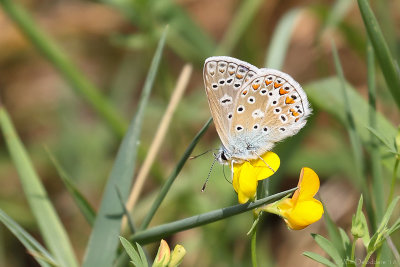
[208, 176]
[265, 162]
[223, 171]
[193, 157]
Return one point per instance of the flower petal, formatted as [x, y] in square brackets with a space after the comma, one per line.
[263, 171]
[308, 185]
[304, 214]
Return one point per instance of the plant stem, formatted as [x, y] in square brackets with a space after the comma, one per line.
[353, 250]
[254, 247]
[369, 254]
[393, 183]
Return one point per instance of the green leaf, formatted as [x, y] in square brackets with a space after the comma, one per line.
[104, 236]
[28, 241]
[388, 214]
[83, 205]
[382, 139]
[49, 223]
[334, 235]
[136, 258]
[281, 39]
[324, 95]
[390, 69]
[319, 258]
[345, 242]
[329, 248]
[164, 230]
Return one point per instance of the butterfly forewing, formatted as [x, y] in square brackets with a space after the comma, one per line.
[224, 78]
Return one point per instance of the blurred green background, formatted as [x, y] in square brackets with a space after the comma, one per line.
[112, 43]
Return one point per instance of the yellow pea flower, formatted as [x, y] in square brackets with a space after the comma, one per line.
[246, 175]
[302, 209]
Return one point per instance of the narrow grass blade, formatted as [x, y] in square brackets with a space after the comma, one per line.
[126, 212]
[162, 231]
[173, 175]
[390, 68]
[377, 179]
[319, 258]
[329, 248]
[319, 92]
[103, 242]
[281, 39]
[334, 234]
[52, 52]
[241, 21]
[27, 240]
[49, 223]
[82, 203]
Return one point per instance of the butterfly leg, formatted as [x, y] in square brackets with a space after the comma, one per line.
[264, 162]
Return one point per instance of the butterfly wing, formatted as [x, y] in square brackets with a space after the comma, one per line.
[271, 107]
[224, 78]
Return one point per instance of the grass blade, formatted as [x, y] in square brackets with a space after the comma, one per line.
[27, 240]
[172, 177]
[377, 182]
[382, 52]
[162, 231]
[52, 52]
[241, 21]
[83, 205]
[104, 237]
[329, 248]
[281, 39]
[321, 90]
[49, 223]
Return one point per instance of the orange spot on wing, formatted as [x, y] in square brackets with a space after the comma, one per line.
[283, 91]
[221, 70]
[256, 86]
[276, 85]
[296, 119]
[294, 112]
[244, 92]
[231, 72]
[289, 100]
[267, 82]
[239, 76]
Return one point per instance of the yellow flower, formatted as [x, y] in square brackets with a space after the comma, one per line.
[246, 175]
[302, 209]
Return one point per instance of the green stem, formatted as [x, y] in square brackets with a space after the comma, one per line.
[353, 250]
[172, 177]
[367, 258]
[394, 178]
[254, 247]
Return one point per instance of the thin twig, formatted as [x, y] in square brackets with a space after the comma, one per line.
[159, 137]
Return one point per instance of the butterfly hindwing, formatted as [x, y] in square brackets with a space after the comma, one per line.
[271, 107]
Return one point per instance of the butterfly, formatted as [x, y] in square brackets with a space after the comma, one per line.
[252, 108]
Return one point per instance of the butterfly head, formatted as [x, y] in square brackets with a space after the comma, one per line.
[222, 156]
